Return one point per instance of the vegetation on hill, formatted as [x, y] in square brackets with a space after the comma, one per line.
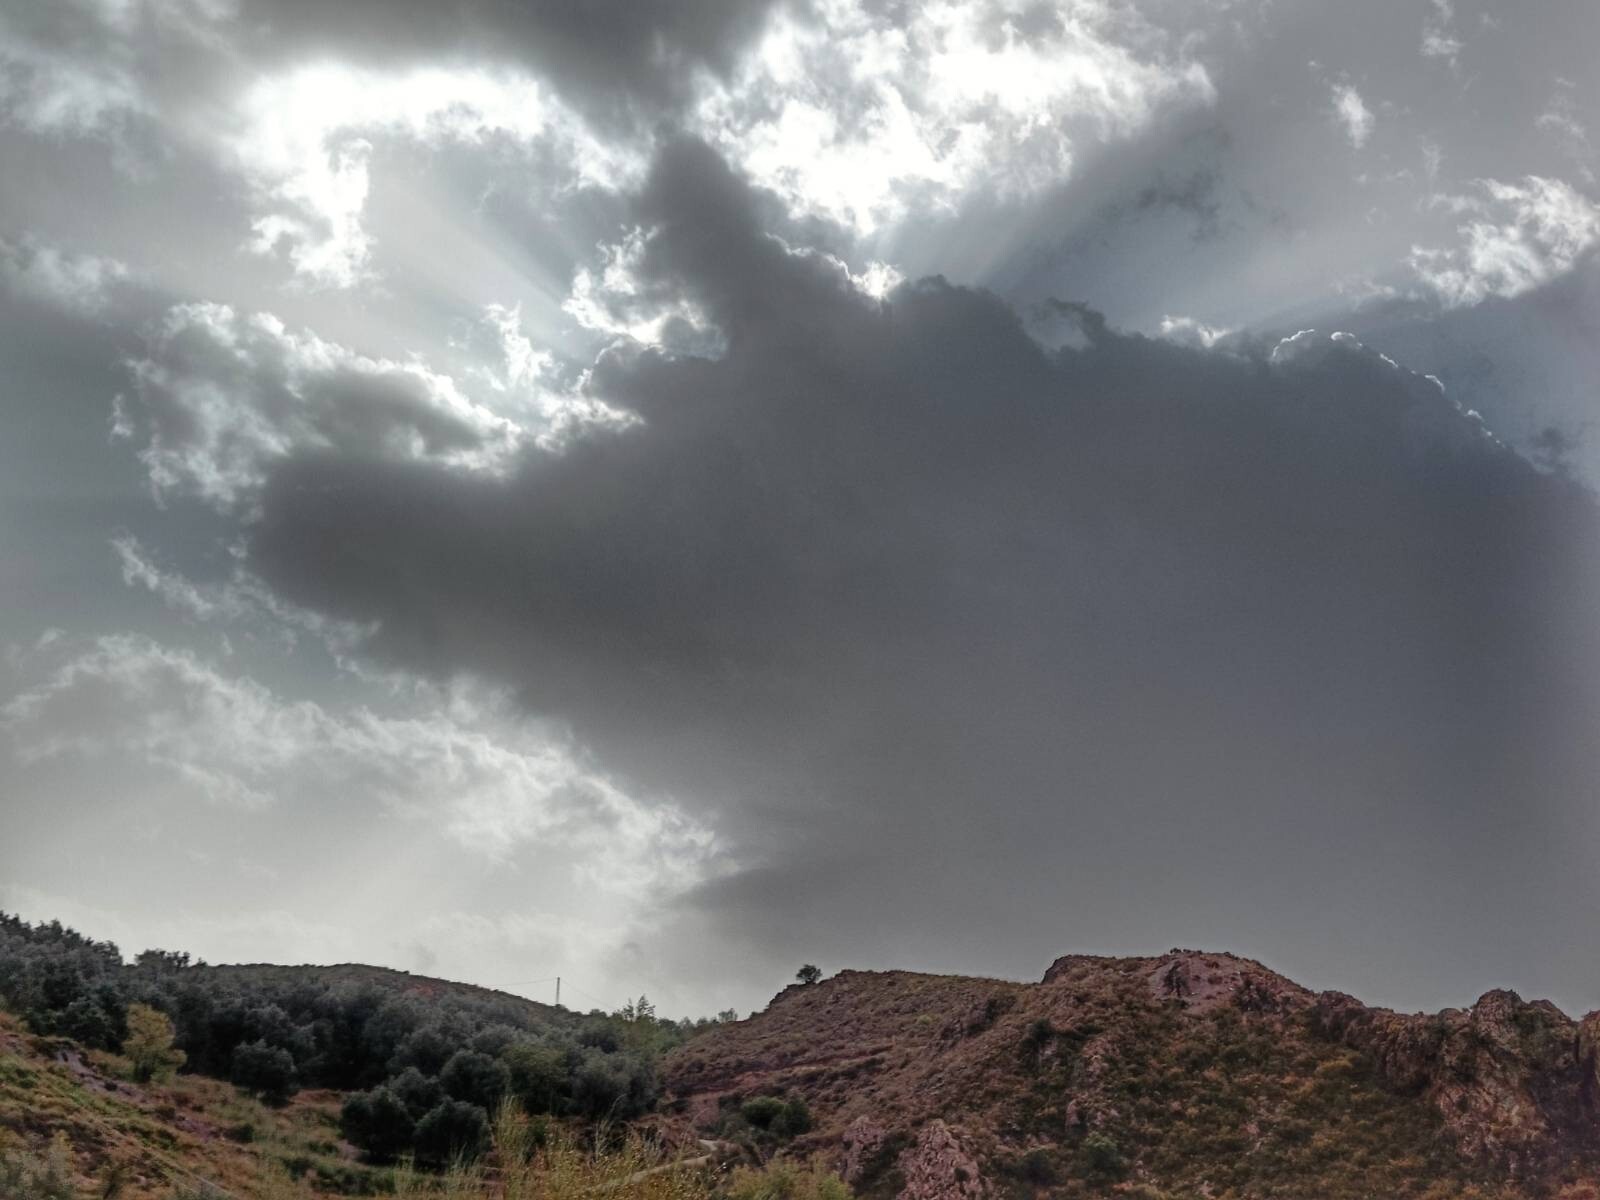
[68, 1111]
[1171, 1078]
[425, 1063]
[70, 1130]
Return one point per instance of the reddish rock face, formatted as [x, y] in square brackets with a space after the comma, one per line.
[1587, 1051]
[937, 1168]
[1178, 1074]
[1506, 1076]
[863, 1141]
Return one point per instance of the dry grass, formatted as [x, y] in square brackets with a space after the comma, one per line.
[140, 1141]
[533, 1160]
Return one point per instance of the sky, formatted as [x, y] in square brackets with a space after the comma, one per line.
[656, 494]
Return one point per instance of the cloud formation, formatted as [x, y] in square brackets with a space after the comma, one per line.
[223, 394]
[1515, 237]
[899, 439]
[894, 590]
[463, 768]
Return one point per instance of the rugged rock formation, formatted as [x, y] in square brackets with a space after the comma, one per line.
[937, 1168]
[1188, 1073]
[1508, 1077]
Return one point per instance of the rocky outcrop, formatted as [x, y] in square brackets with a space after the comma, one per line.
[1176, 1072]
[1506, 1076]
[863, 1144]
[1587, 1053]
[938, 1168]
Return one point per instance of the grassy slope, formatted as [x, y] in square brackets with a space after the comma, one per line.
[154, 1135]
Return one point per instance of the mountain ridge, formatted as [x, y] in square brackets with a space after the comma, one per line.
[1189, 1073]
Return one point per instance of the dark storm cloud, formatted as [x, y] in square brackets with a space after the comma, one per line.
[1528, 362]
[1118, 645]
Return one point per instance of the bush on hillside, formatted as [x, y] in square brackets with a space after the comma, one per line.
[266, 1072]
[475, 1078]
[781, 1118]
[454, 1131]
[782, 1179]
[612, 1087]
[539, 1077]
[149, 1045]
[26, 1177]
[1102, 1155]
[272, 1030]
[378, 1122]
[416, 1091]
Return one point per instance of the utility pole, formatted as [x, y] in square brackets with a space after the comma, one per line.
[558, 991]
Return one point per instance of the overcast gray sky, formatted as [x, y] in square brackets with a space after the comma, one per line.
[658, 493]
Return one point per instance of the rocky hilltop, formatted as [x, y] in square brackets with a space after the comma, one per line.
[1188, 1074]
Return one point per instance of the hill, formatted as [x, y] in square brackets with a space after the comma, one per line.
[137, 1142]
[1188, 1074]
[1184, 1075]
[411, 1066]
[426, 988]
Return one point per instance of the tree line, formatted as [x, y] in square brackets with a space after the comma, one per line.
[425, 1072]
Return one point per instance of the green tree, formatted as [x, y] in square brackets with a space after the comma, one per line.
[539, 1076]
[454, 1131]
[148, 1046]
[377, 1122]
[636, 1010]
[264, 1070]
[475, 1078]
[782, 1118]
[810, 973]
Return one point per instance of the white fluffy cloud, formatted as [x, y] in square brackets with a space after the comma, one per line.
[464, 762]
[1439, 40]
[1352, 113]
[1514, 237]
[305, 139]
[223, 394]
[860, 115]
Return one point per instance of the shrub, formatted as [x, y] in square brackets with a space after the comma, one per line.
[794, 1120]
[266, 1072]
[538, 1076]
[1102, 1154]
[148, 1045]
[475, 1078]
[87, 1020]
[427, 1049]
[612, 1086]
[379, 1123]
[809, 974]
[24, 1177]
[453, 1131]
[785, 1180]
[761, 1111]
[782, 1118]
[416, 1091]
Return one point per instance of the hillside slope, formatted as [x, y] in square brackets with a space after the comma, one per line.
[138, 1142]
[1188, 1074]
[402, 983]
